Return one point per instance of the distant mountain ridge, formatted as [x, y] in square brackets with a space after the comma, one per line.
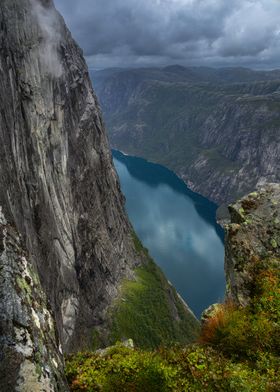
[218, 129]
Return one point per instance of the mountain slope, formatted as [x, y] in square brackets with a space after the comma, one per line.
[219, 130]
[239, 347]
[58, 185]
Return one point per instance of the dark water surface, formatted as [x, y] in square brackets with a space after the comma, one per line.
[178, 227]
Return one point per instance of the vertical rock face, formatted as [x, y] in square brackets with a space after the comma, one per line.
[58, 185]
[30, 359]
[252, 236]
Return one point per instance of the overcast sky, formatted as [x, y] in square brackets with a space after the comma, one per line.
[128, 33]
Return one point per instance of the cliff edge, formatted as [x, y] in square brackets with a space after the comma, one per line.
[58, 184]
[252, 237]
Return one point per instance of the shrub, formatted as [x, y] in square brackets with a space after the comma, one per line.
[238, 351]
[196, 368]
[217, 321]
[247, 332]
[121, 369]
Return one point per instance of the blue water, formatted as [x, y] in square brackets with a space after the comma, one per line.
[178, 227]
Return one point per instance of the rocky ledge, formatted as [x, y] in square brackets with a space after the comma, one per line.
[253, 236]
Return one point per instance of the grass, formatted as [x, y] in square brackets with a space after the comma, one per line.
[149, 310]
[194, 369]
[239, 348]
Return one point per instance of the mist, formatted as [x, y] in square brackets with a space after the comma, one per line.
[49, 24]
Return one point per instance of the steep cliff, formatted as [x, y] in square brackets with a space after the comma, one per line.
[219, 130]
[58, 185]
[31, 358]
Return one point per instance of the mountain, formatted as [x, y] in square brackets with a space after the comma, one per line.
[60, 192]
[218, 129]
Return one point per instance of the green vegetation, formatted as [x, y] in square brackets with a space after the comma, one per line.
[238, 349]
[194, 369]
[150, 313]
[149, 310]
[248, 333]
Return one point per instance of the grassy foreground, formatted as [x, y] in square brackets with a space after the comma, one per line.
[238, 350]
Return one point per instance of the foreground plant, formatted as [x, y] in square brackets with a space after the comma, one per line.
[238, 350]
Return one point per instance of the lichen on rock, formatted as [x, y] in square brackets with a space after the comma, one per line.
[30, 358]
[252, 236]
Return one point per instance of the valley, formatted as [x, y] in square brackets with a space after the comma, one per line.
[218, 129]
[178, 227]
[108, 260]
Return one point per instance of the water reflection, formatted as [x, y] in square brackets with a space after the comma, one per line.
[178, 227]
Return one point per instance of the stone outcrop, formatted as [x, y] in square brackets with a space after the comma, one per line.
[30, 354]
[252, 236]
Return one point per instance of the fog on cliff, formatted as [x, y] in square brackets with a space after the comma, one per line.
[50, 27]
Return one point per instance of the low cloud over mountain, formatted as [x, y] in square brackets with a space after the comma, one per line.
[149, 32]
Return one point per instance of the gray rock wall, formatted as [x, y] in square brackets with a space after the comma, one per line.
[30, 352]
[58, 185]
[253, 236]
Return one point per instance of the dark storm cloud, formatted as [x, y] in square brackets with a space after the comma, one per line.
[155, 32]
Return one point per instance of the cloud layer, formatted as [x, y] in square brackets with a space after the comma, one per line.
[189, 32]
